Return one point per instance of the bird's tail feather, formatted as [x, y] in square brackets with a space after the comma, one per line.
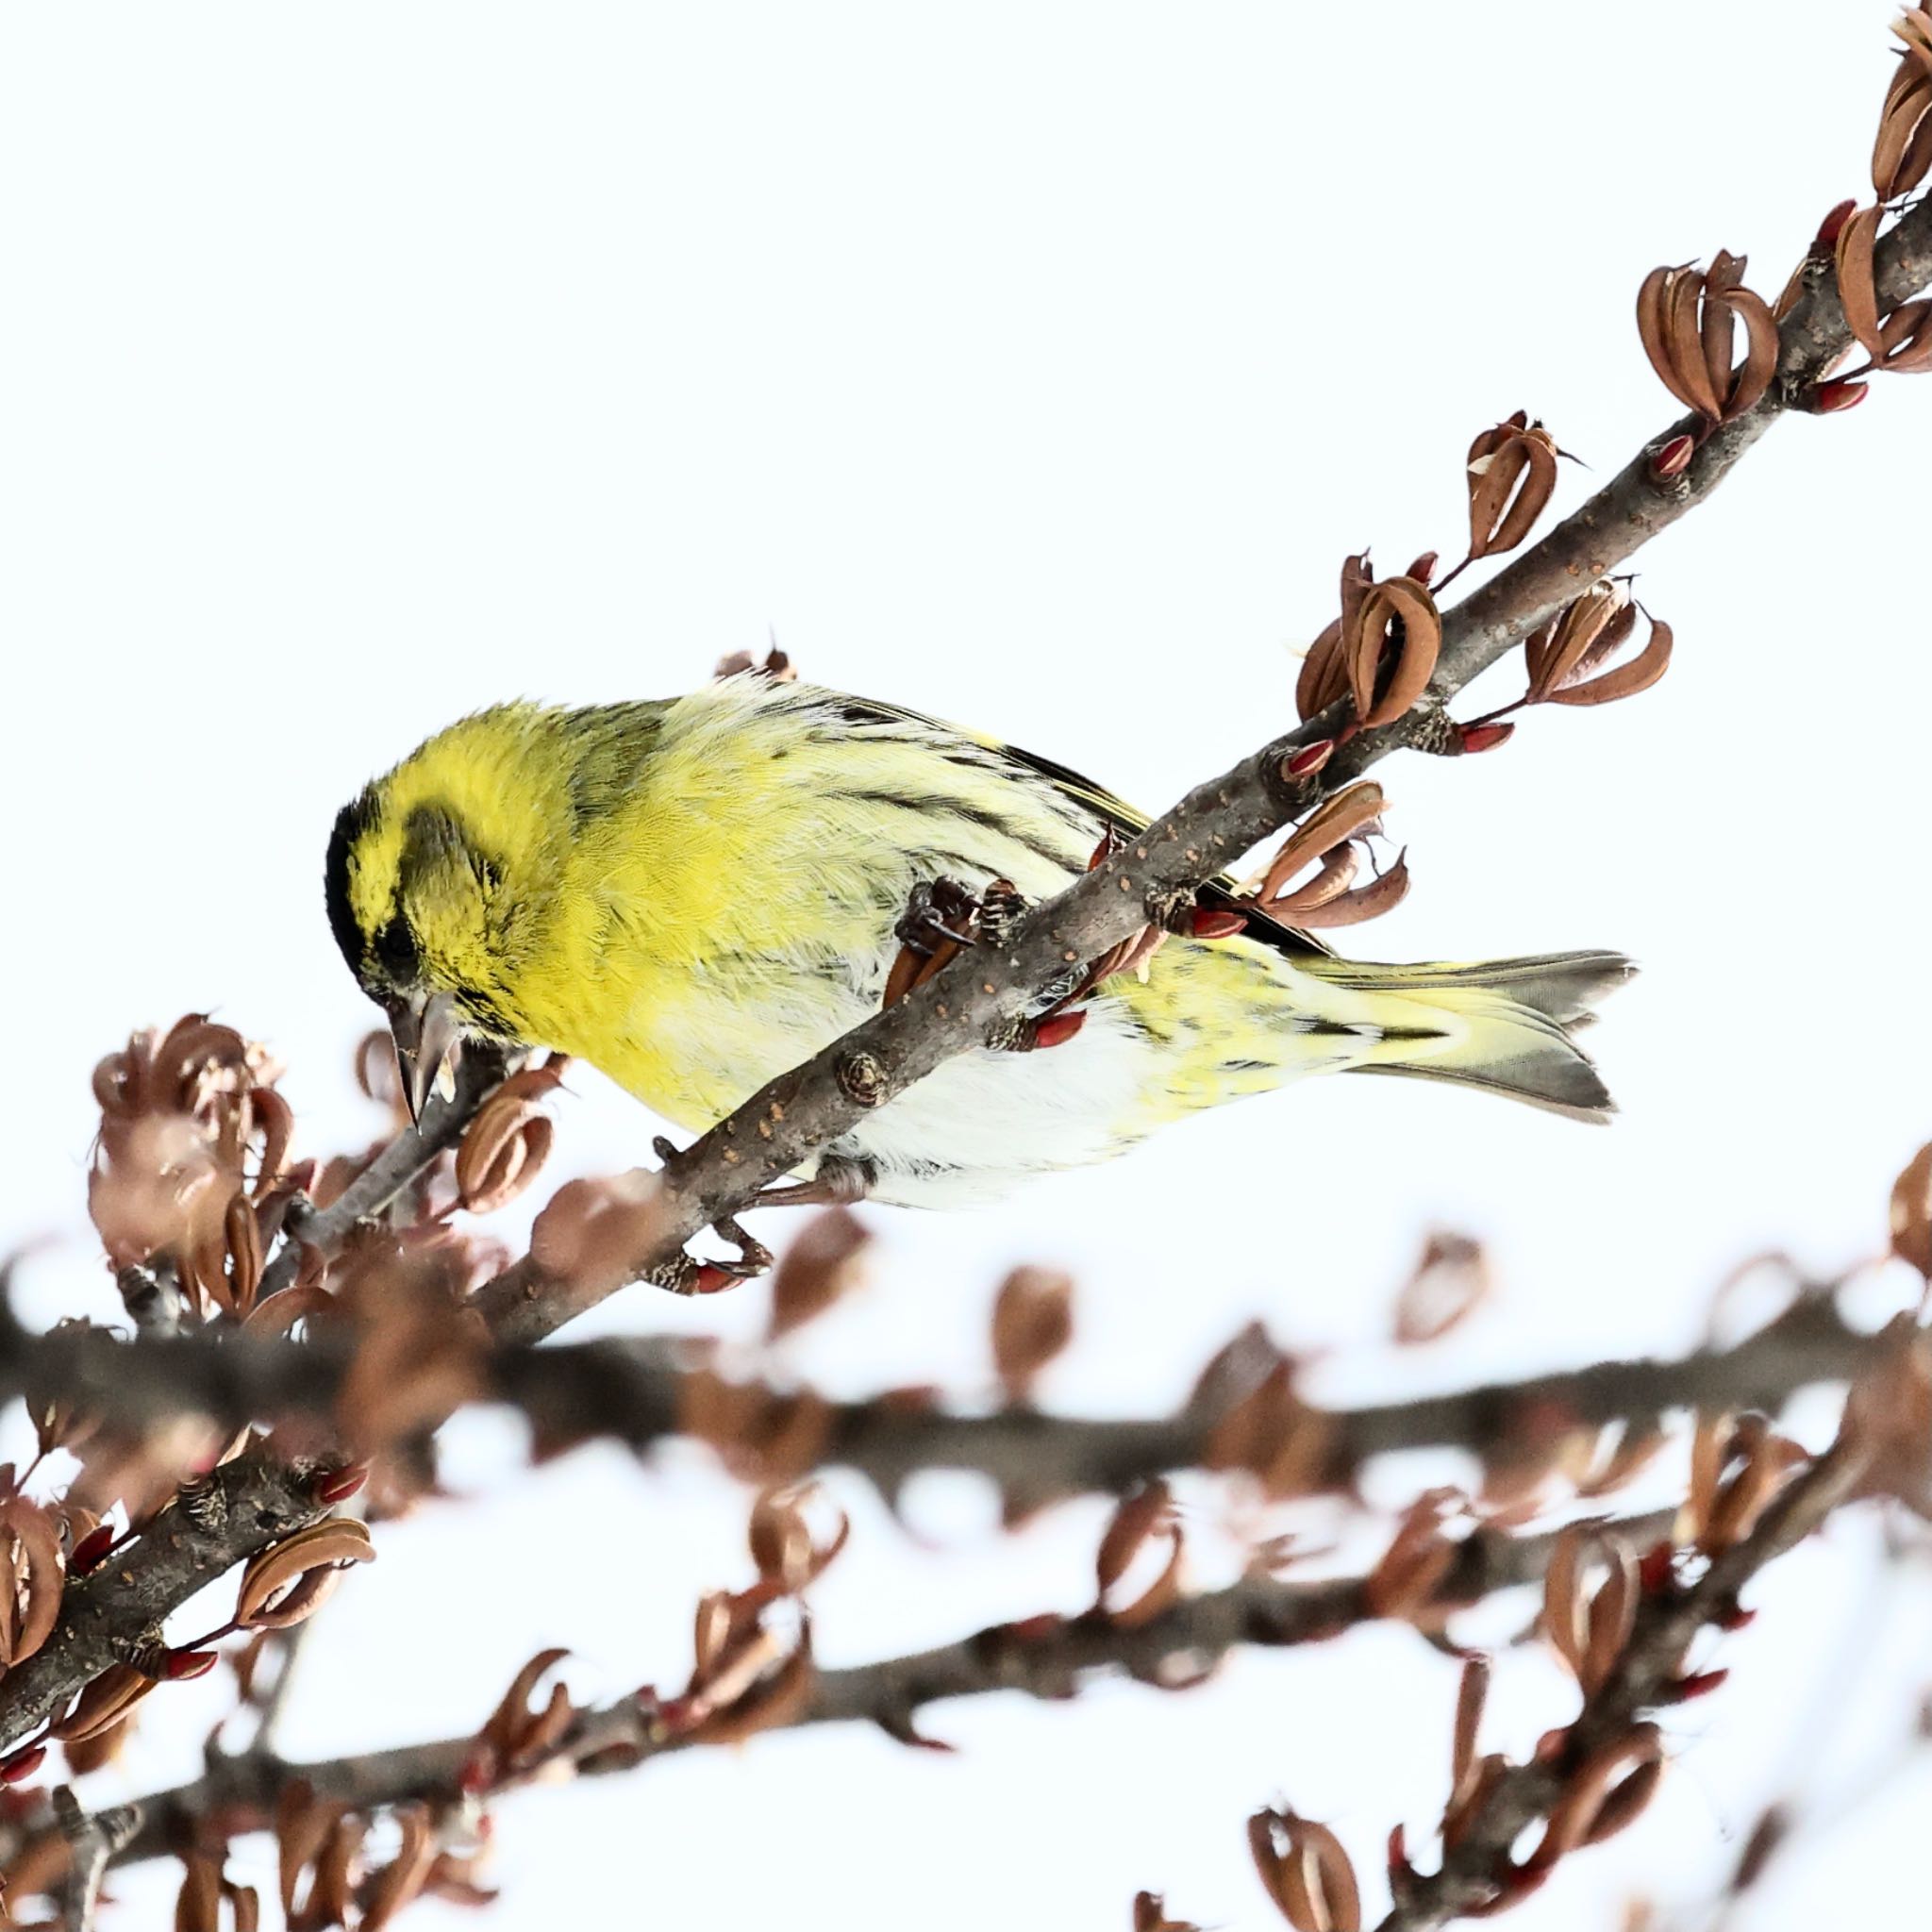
[1504, 1024]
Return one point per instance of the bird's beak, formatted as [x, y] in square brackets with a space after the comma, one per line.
[428, 1043]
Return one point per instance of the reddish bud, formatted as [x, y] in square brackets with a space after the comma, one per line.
[92, 1548]
[1486, 737]
[712, 1280]
[182, 1665]
[1657, 1571]
[1399, 1870]
[339, 1485]
[1736, 1617]
[1828, 399]
[1826, 239]
[1102, 852]
[1698, 1684]
[1058, 1028]
[21, 1765]
[1673, 458]
[1037, 1629]
[1424, 567]
[479, 1771]
[1209, 925]
[1311, 758]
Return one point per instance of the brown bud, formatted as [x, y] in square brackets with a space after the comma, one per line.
[822, 1264]
[1686, 318]
[1306, 1872]
[1902, 152]
[1032, 1322]
[1911, 1212]
[1512, 475]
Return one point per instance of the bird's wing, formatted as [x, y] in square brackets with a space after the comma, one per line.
[1218, 893]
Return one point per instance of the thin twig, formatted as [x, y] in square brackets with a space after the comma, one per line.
[407, 1159]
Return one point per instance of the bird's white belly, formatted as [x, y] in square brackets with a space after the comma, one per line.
[983, 1120]
[969, 1130]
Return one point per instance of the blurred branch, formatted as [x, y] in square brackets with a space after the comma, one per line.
[721, 1175]
[636, 1392]
[1047, 1658]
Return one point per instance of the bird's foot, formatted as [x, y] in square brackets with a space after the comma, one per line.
[687, 1274]
[940, 922]
[842, 1181]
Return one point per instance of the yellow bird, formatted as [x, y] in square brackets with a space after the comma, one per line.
[696, 894]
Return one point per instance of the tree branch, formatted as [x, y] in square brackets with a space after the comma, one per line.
[1046, 1657]
[1479, 1872]
[638, 1393]
[806, 1109]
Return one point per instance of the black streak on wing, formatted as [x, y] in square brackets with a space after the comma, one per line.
[1217, 894]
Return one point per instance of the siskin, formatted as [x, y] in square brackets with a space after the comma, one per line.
[697, 894]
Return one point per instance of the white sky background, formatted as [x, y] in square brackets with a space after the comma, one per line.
[1035, 367]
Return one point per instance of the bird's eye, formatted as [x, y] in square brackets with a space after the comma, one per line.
[396, 947]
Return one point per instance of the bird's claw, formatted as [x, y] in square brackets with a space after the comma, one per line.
[941, 919]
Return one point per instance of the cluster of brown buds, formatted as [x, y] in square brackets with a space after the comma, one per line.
[506, 1144]
[1603, 1793]
[1382, 649]
[1738, 1465]
[188, 1167]
[1902, 154]
[753, 1670]
[1407, 1581]
[522, 1733]
[1686, 318]
[1306, 1872]
[1569, 658]
[1511, 475]
[1334, 839]
[1898, 340]
[324, 1878]
[33, 1573]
